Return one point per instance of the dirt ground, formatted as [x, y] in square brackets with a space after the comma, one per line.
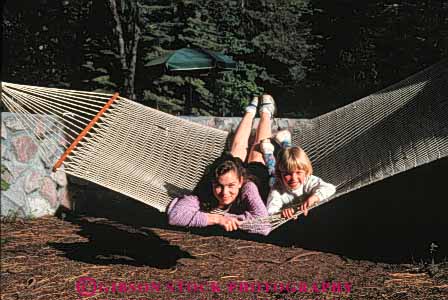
[51, 257]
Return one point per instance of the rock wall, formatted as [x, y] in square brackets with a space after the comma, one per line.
[29, 187]
[231, 124]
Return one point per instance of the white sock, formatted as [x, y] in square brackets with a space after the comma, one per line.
[252, 107]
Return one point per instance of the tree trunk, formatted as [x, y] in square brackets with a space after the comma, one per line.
[127, 48]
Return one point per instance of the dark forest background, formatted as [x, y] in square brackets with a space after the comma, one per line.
[313, 56]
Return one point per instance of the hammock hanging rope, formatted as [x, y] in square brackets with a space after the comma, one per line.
[153, 156]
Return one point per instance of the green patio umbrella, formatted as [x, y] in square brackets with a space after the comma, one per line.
[195, 60]
[191, 59]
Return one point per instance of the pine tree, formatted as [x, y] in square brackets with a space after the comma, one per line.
[41, 42]
[158, 89]
[367, 46]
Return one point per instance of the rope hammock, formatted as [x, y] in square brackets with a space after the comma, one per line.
[153, 156]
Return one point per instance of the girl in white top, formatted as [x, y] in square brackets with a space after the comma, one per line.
[295, 182]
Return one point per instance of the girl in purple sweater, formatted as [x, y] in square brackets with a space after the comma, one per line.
[236, 191]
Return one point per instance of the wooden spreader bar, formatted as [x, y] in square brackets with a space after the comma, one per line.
[84, 132]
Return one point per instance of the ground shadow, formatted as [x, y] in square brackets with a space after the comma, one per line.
[110, 242]
[394, 220]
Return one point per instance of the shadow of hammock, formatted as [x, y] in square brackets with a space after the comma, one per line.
[394, 221]
[112, 243]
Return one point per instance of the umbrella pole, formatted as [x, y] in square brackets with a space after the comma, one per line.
[188, 97]
[191, 97]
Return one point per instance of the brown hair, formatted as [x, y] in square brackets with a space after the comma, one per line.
[223, 165]
[291, 159]
[230, 164]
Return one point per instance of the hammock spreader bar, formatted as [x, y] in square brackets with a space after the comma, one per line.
[73, 145]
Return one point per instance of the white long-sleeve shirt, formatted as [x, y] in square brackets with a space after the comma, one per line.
[279, 197]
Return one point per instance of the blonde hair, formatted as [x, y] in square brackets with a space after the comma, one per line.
[291, 159]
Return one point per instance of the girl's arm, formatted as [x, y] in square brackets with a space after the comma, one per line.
[185, 211]
[318, 190]
[229, 223]
[255, 208]
[316, 186]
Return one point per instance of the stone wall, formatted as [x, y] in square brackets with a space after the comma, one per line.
[231, 124]
[32, 189]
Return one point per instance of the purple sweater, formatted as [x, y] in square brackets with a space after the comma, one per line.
[185, 211]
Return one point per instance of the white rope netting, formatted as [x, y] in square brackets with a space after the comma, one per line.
[153, 156]
[394, 130]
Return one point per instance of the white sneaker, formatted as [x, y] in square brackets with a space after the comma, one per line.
[267, 105]
[283, 138]
[266, 146]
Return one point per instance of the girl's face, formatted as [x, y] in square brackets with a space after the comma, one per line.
[293, 180]
[226, 188]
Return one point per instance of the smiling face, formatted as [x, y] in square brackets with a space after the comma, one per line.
[293, 167]
[294, 179]
[226, 188]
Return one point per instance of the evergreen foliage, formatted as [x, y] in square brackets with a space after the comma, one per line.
[313, 56]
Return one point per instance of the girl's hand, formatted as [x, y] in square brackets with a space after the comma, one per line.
[229, 223]
[288, 213]
[308, 204]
